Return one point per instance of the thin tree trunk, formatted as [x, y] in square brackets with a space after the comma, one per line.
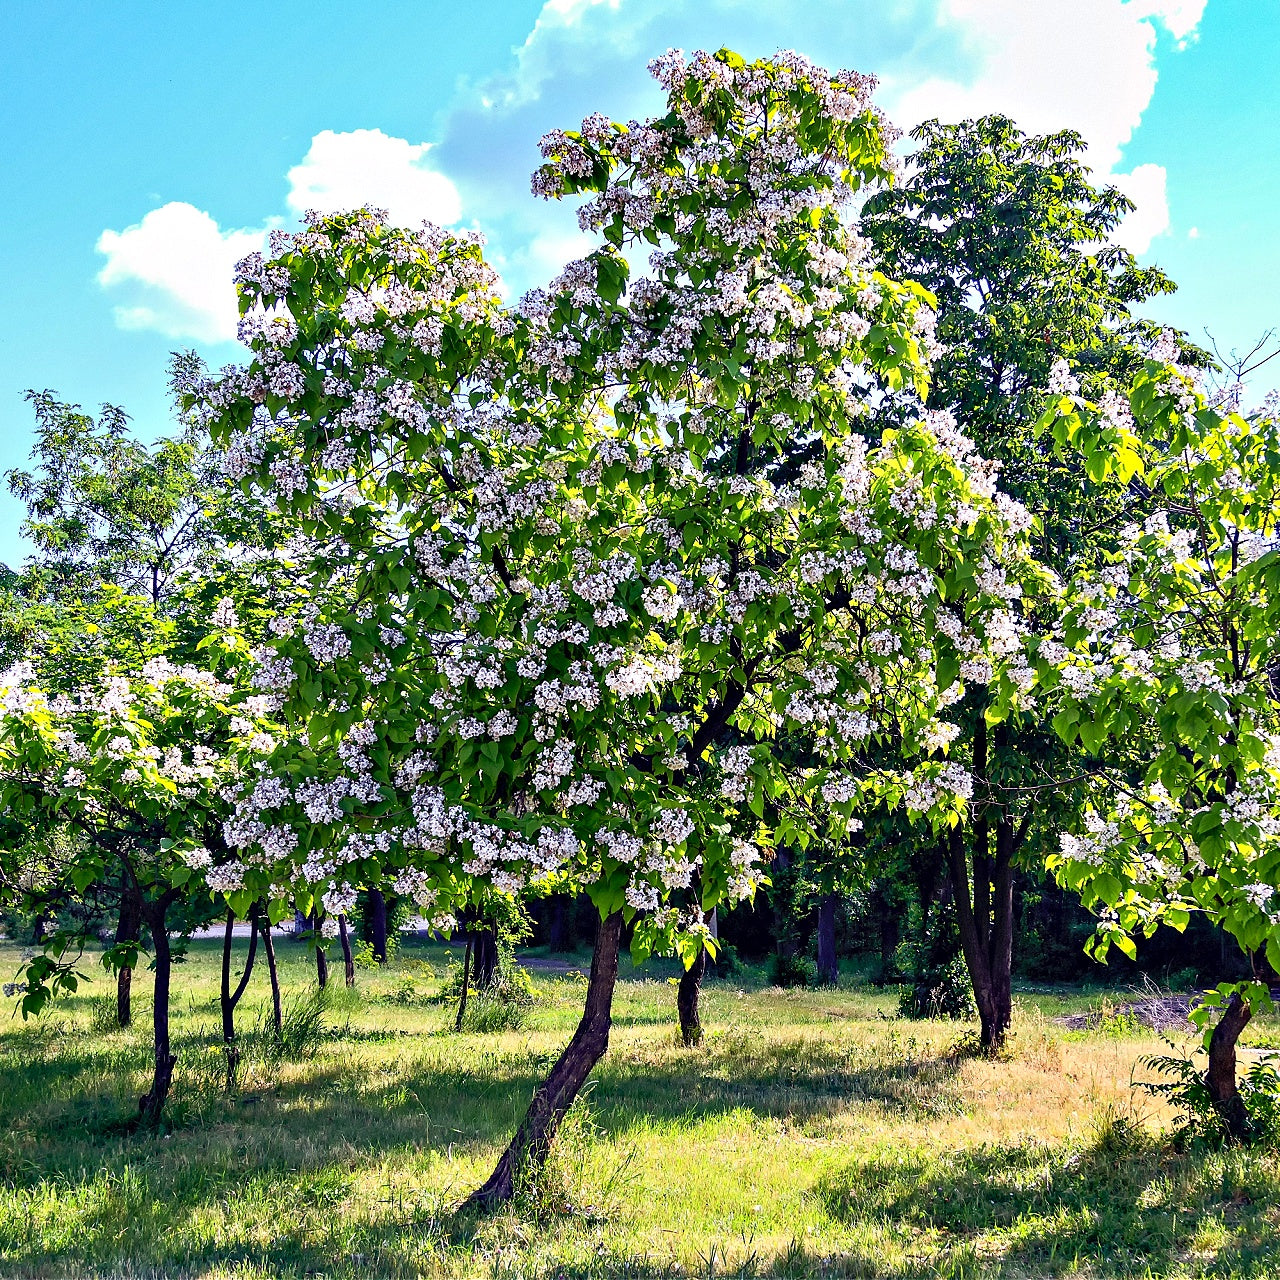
[128, 929]
[1221, 1075]
[687, 995]
[348, 961]
[378, 924]
[151, 1104]
[466, 978]
[322, 960]
[277, 1012]
[528, 1150]
[229, 998]
[828, 962]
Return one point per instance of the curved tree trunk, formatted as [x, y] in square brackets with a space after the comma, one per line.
[128, 929]
[1221, 1074]
[228, 998]
[687, 994]
[378, 924]
[528, 1150]
[151, 1104]
[348, 961]
[828, 963]
[277, 1012]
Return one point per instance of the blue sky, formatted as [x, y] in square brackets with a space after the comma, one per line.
[147, 145]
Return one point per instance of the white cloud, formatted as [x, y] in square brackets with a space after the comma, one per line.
[1146, 187]
[1193, 234]
[1088, 65]
[175, 268]
[366, 166]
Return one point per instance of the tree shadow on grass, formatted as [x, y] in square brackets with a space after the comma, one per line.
[300, 1146]
[1121, 1204]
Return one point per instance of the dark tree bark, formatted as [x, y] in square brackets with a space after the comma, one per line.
[348, 961]
[828, 962]
[466, 981]
[151, 1104]
[378, 924]
[229, 999]
[528, 1150]
[322, 960]
[558, 933]
[1221, 1075]
[128, 929]
[484, 956]
[890, 928]
[277, 1012]
[985, 910]
[687, 996]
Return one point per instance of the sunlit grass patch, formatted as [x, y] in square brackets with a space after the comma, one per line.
[812, 1135]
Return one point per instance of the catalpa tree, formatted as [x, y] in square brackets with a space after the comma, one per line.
[1167, 666]
[137, 762]
[581, 560]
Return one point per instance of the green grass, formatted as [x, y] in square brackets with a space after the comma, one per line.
[814, 1135]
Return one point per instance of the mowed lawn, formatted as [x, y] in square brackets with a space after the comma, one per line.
[814, 1135]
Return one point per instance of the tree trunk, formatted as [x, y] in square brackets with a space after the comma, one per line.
[828, 964]
[484, 957]
[322, 960]
[984, 910]
[466, 979]
[528, 1150]
[151, 1104]
[1000, 947]
[1221, 1075]
[348, 961]
[558, 938]
[687, 994]
[378, 924]
[128, 929]
[277, 1012]
[229, 999]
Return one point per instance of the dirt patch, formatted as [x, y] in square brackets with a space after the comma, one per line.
[1160, 1013]
[539, 964]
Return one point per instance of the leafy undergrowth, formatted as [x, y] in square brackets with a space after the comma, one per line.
[813, 1136]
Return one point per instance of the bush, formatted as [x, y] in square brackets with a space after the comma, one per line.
[939, 991]
[503, 1005]
[1182, 1085]
[794, 970]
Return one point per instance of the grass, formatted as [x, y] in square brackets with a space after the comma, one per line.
[814, 1135]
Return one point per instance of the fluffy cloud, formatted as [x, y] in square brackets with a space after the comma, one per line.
[174, 267]
[366, 166]
[1088, 65]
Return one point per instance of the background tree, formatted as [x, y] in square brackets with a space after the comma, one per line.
[1165, 667]
[1013, 240]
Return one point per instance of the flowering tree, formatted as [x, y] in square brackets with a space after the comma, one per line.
[584, 559]
[1013, 239]
[1166, 665]
[136, 763]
